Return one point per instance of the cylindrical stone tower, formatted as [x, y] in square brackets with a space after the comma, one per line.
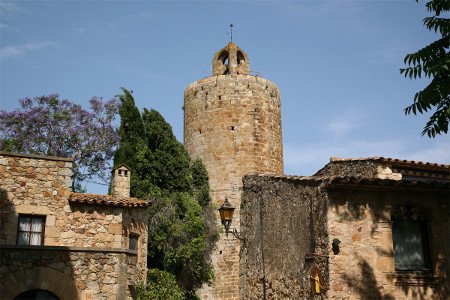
[232, 121]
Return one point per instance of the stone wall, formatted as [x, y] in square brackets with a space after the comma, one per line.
[68, 272]
[34, 185]
[364, 267]
[136, 221]
[233, 123]
[289, 223]
[39, 185]
[283, 224]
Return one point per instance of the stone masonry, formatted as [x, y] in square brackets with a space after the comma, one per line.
[86, 236]
[290, 223]
[232, 121]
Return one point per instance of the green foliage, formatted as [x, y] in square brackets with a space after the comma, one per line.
[169, 162]
[49, 125]
[178, 240]
[131, 133]
[200, 184]
[432, 61]
[161, 285]
[182, 230]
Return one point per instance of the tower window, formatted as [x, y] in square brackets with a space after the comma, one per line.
[232, 128]
[240, 56]
[223, 57]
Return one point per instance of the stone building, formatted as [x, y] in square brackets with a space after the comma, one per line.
[55, 244]
[374, 228]
[232, 121]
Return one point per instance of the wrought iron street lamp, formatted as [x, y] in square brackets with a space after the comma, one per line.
[226, 211]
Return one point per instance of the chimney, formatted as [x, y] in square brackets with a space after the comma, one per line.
[120, 186]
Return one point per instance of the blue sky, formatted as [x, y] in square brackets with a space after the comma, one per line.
[336, 64]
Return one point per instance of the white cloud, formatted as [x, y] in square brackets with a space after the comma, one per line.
[340, 127]
[348, 120]
[14, 51]
[385, 54]
[9, 7]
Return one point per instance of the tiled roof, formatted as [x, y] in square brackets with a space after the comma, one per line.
[396, 161]
[107, 200]
[288, 177]
[336, 181]
[357, 181]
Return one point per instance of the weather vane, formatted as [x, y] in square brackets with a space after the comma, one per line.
[231, 32]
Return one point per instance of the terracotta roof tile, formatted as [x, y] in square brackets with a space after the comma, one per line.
[347, 181]
[107, 200]
[396, 161]
[363, 181]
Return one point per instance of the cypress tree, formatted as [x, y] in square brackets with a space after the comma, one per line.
[182, 230]
[131, 148]
[170, 163]
[131, 131]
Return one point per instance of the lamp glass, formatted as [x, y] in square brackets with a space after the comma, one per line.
[226, 212]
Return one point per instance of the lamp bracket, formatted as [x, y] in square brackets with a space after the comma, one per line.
[235, 233]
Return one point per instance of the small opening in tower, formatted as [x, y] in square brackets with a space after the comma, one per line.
[120, 172]
[240, 57]
[206, 93]
[232, 128]
[223, 57]
[220, 97]
[125, 173]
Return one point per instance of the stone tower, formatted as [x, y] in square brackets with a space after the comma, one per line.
[232, 121]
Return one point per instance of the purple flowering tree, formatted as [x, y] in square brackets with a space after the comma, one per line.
[50, 126]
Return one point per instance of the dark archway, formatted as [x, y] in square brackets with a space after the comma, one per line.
[36, 294]
[38, 278]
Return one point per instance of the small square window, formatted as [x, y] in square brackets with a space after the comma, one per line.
[133, 242]
[30, 230]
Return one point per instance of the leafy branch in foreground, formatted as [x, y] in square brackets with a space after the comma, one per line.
[432, 61]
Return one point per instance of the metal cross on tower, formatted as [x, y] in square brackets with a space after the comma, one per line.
[231, 32]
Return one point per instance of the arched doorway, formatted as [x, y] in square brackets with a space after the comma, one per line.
[36, 294]
[18, 284]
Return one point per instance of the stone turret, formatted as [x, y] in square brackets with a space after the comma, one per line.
[230, 60]
[232, 121]
[120, 186]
